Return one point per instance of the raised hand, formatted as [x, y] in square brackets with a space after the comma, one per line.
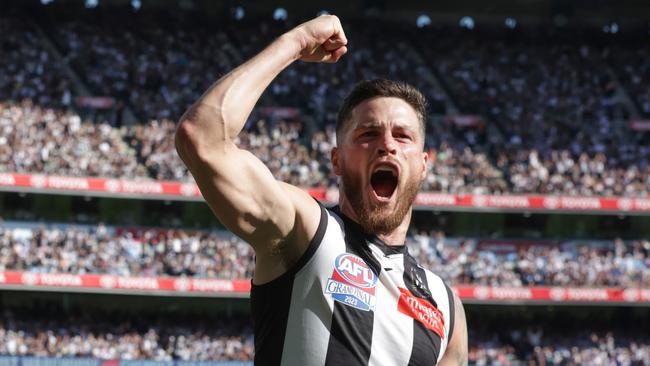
[321, 39]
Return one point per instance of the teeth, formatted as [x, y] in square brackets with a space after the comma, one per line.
[385, 168]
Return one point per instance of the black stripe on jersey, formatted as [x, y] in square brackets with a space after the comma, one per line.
[270, 303]
[351, 328]
[350, 336]
[452, 311]
[426, 343]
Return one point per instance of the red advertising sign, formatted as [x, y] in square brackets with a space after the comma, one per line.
[554, 294]
[408, 304]
[139, 284]
[190, 191]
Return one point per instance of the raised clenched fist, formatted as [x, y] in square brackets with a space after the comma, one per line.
[321, 39]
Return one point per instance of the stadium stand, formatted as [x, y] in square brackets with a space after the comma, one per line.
[583, 149]
[632, 67]
[29, 70]
[175, 252]
[539, 112]
[553, 97]
[108, 335]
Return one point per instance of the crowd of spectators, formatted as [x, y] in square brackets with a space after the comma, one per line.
[27, 69]
[543, 346]
[53, 141]
[560, 171]
[634, 71]
[617, 263]
[127, 337]
[158, 71]
[462, 170]
[153, 144]
[152, 252]
[553, 99]
[114, 62]
[374, 52]
[176, 252]
[556, 103]
[110, 336]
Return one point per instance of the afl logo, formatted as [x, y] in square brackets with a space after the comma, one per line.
[353, 283]
[355, 271]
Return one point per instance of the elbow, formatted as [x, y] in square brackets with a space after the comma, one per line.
[199, 131]
[184, 139]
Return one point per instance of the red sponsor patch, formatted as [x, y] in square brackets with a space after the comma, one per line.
[422, 311]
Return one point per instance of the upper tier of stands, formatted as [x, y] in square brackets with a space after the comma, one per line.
[556, 121]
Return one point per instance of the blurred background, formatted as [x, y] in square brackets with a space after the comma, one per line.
[536, 208]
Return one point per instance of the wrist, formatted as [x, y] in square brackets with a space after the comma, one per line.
[293, 43]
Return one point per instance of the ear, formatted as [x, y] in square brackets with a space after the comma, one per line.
[335, 161]
[425, 159]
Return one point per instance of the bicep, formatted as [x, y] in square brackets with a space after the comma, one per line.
[244, 195]
[456, 352]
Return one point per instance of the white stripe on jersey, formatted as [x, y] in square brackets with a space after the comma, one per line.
[391, 341]
[311, 311]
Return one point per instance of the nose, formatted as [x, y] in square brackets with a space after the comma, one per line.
[387, 144]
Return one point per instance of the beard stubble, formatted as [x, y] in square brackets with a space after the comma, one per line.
[379, 218]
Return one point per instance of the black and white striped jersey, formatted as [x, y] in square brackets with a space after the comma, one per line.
[352, 300]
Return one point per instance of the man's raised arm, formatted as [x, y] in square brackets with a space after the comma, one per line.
[278, 220]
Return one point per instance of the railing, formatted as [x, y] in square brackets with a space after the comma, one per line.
[188, 191]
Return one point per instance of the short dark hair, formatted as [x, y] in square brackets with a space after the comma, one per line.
[369, 89]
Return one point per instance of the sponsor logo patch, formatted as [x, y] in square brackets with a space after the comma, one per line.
[422, 311]
[352, 283]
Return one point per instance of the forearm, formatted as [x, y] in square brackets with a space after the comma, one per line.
[221, 112]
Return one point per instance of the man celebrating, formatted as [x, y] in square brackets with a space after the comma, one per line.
[331, 286]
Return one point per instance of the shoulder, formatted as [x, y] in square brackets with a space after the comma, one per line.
[309, 223]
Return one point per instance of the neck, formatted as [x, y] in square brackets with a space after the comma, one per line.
[395, 237]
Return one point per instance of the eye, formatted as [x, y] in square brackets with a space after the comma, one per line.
[368, 134]
[403, 136]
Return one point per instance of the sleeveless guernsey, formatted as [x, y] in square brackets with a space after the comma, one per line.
[352, 300]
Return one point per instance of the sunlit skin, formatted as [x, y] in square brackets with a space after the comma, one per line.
[381, 129]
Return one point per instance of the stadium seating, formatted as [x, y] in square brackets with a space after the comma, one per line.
[537, 111]
[175, 252]
[565, 135]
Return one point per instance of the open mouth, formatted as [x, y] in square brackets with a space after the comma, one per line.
[384, 181]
